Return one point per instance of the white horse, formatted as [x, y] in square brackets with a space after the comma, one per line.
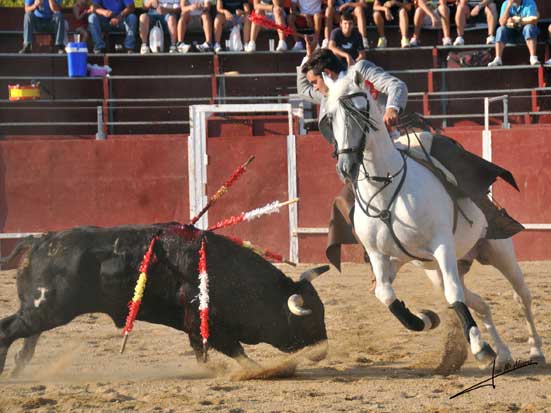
[403, 213]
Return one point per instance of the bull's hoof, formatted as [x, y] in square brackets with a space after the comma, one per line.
[432, 318]
[485, 356]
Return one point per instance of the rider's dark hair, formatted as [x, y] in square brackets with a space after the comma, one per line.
[323, 59]
[347, 15]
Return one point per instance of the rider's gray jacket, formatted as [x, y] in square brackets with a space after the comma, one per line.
[392, 92]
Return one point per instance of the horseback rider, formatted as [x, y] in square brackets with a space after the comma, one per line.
[322, 66]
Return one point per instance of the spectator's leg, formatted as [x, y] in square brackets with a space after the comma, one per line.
[246, 23]
[94, 27]
[219, 21]
[444, 12]
[403, 19]
[255, 29]
[530, 33]
[57, 24]
[182, 26]
[207, 26]
[318, 22]
[461, 17]
[359, 12]
[418, 19]
[491, 18]
[171, 22]
[28, 27]
[279, 16]
[144, 28]
[329, 16]
[130, 26]
[291, 22]
[379, 22]
[503, 35]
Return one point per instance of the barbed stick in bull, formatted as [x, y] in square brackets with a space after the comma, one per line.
[267, 209]
[223, 189]
[134, 306]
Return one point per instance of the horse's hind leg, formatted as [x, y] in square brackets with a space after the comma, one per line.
[24, 356]
[501, 255]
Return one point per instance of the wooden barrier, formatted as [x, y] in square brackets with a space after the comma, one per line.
[56, 184]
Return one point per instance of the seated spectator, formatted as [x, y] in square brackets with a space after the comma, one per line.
[311, 11]
[518, 20]
[166, 12]
[431, 13]
[195, 13]
[389, 11]
[81, 10]
[462, 14]
[273, 9]
[113, 16]
[43, 16]
[346, 41]
[333, 11]
[231, 12]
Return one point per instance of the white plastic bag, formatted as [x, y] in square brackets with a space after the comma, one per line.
[157, 38]
[236, 45]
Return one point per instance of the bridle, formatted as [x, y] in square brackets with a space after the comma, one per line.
[362, 120]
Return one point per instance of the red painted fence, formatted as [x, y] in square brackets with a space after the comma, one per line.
[56, 184]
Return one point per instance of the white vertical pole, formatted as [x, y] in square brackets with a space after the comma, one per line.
[292, 188]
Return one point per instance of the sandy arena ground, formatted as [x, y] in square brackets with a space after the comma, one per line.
[374, 364]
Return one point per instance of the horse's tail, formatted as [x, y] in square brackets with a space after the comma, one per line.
[25, 243]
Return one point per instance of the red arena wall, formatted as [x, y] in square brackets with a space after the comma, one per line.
[56, 184]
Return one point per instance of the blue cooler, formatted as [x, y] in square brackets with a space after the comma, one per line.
[77, 56]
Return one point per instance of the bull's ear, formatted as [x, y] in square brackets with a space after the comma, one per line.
[358, 79]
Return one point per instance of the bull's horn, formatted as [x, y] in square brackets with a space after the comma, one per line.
[295, 303]
[312, 273]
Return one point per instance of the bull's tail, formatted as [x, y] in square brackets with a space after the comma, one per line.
[25, 243]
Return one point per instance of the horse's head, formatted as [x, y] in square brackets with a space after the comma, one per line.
[348, 105]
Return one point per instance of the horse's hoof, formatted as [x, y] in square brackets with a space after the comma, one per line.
[540, 359]
[485, 356]
[432, 317]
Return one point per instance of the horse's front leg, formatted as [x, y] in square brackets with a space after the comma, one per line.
[385, 272]
[444, 254]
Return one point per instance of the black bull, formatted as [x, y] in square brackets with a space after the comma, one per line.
[89, 269]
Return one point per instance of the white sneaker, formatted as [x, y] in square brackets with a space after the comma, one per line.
[534, 60]
[217, 47]
[446, 41]
[404, 43]
[281, 46]
[548, 62]
[250, 47]
[145, 49]
[365, 43]
[496, 62]
[298, 46]
[381, 44]
[183, 47]
[490, 40]
[414, 42]
[459, 41]
[325, 44]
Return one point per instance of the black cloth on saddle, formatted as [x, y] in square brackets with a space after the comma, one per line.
[474, 176]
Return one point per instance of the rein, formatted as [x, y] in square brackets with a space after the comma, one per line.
[362, 120]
